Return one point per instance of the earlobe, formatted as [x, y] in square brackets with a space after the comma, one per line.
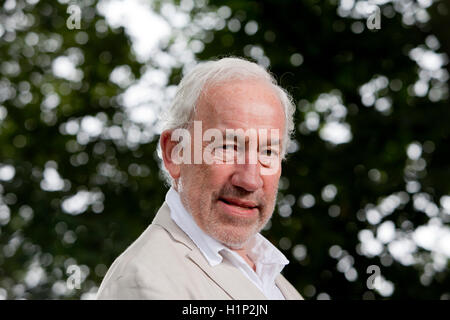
[167, 146]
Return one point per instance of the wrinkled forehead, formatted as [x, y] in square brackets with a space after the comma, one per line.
[241, 104]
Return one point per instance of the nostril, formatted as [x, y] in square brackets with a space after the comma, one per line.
[247, 182]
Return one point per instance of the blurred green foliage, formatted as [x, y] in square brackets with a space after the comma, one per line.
[318, 52]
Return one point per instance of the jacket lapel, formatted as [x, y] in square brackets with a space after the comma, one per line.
[225, 275]
[230, 279]
[288, 291]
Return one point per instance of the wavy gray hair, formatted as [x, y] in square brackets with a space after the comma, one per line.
[183, 108]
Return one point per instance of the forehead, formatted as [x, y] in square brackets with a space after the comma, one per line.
[241, 104]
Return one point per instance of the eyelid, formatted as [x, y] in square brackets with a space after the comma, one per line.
[228, 146]
[273, 150]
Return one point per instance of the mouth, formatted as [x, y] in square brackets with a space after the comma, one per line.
[239, 207]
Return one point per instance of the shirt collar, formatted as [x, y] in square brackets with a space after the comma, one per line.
[261, 251]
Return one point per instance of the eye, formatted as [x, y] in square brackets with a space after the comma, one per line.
[229, 147]
[269, 153]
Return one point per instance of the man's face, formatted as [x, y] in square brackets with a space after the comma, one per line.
[233, 201]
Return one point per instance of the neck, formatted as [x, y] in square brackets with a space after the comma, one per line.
[243, 253]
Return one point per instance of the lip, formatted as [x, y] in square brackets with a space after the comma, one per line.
[243, 208]
[240, 202]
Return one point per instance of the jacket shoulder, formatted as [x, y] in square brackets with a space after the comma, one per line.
[150, 268]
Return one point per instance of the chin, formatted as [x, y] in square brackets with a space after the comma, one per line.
[233, 239]
[235, 245]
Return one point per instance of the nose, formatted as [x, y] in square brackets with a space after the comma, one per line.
[248, 177]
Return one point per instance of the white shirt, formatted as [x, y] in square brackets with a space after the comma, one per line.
[269, 261]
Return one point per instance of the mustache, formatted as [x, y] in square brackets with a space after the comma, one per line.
[242, 194]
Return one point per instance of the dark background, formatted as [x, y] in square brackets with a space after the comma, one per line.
[71, 197]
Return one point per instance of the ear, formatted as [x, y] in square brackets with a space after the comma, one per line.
[167, 146]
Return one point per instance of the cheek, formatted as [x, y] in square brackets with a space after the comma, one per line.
[191, 180]
[271, 185]
[217, 174]
[203, 178]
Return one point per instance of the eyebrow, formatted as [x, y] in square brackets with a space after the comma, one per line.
[264, 143]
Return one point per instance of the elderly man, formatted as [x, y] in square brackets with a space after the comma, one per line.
[223, 167]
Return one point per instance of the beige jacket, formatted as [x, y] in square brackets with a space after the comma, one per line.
[164, 263]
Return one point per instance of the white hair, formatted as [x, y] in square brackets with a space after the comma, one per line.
[182, 110]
